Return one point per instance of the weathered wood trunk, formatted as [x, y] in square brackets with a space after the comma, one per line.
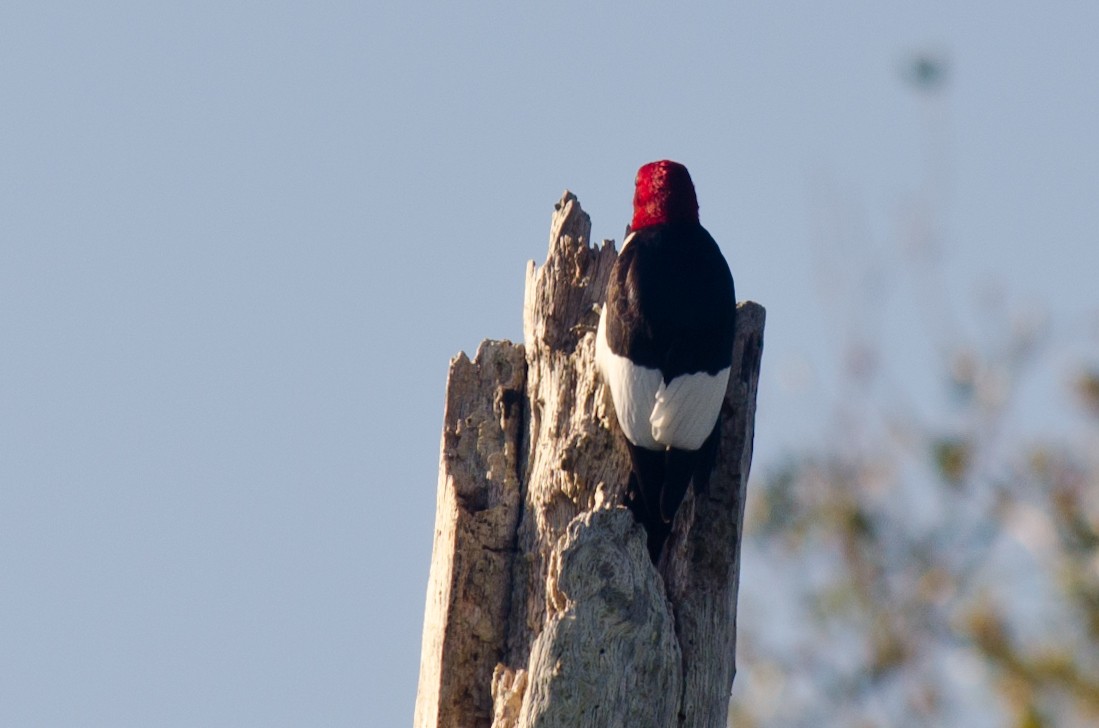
[543, 608]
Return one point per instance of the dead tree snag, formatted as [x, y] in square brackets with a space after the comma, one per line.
[543, 608]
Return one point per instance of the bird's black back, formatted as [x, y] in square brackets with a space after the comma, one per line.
[671, 302]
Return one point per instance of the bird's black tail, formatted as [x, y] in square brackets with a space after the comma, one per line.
[658, 481]
[643, 495]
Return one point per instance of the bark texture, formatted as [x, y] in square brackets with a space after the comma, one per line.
[476, 515]
[543, 608]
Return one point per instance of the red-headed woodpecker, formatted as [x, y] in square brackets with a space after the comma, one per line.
[665, 345]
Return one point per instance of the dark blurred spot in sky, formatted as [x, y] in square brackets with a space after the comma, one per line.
[927, 72]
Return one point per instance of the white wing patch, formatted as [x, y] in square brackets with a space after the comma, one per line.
[633, 389]
[653, 415]
[687, 408]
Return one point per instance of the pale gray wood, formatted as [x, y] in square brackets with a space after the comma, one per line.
[543, 607]
[576, 458]
[608, 655]
[476, 515]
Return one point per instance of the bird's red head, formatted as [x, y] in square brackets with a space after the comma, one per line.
[664, 193]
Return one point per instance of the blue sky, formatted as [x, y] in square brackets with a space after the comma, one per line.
[239, 243]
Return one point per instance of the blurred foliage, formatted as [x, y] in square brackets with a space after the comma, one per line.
[935, 562]
[1087, 386]
[935, 578]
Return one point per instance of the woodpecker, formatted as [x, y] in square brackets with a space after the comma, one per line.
[664, 346]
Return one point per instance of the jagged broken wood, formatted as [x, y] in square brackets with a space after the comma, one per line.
[543, 608]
